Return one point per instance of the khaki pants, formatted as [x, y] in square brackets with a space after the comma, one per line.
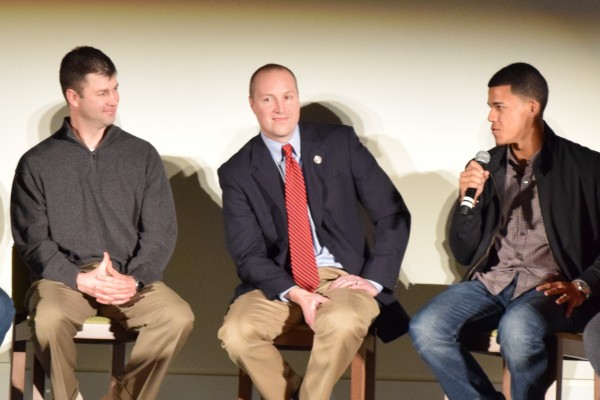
[253, 322]
[163, 319]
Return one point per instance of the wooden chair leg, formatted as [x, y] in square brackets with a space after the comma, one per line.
[370, 369]
[118, 362]
[244, 386]
[17, 374]
[362, 371]
[39, 379]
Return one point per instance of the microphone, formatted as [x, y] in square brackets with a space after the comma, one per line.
[468, 202]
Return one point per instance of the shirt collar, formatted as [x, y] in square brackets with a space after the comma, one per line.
[513, 161]
[275, 147]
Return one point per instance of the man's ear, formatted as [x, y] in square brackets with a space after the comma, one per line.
[72, 97]
[252, 103]
[535, 107]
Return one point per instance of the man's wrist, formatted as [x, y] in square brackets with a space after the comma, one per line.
[138, 286]
[583, 287]
[376, 285]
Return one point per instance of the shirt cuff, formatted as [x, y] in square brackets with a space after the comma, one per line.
[284, 293]
[377, 285]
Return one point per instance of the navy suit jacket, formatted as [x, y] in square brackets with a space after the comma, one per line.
[341, 178]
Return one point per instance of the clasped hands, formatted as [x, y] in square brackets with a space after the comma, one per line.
[106, 284]
[310, 302]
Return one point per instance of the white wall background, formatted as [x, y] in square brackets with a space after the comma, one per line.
[410, 76]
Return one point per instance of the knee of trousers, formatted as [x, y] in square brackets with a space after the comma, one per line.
[51, 322]
[344, 322]
[179, 317]
[238, 335]
[7, 314]
[519, 347]
[427, 328]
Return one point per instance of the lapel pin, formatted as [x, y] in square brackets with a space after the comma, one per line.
[317, 159]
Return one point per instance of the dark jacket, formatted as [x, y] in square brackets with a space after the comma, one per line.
[568, 180]
[347, 177]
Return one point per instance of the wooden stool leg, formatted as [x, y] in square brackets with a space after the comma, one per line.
[244, 386]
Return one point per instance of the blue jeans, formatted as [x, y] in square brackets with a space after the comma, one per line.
[467, 309]
[7, 313]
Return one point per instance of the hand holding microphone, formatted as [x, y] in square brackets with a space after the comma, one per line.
[473, 178]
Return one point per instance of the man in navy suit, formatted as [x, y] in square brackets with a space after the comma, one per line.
[355, 282]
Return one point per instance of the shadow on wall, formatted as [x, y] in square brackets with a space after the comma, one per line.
[323, 114]
[456, 269]
[50, 121]
[200, 269]
[431, 224]
[421, 192]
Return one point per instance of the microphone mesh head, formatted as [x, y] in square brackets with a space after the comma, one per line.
[482, 157]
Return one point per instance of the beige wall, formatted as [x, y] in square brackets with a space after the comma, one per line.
[410, 76]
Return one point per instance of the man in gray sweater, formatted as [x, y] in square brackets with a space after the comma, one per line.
[94, 220]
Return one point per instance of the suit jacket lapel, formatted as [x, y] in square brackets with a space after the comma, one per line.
[313, 161]
[267, 174]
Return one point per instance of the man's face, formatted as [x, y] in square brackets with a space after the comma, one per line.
[276, 105]
[511, 115]
[97, 103]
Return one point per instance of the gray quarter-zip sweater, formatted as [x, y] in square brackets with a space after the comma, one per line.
[70, 204]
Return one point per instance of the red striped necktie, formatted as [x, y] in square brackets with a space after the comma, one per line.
[302, 252]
